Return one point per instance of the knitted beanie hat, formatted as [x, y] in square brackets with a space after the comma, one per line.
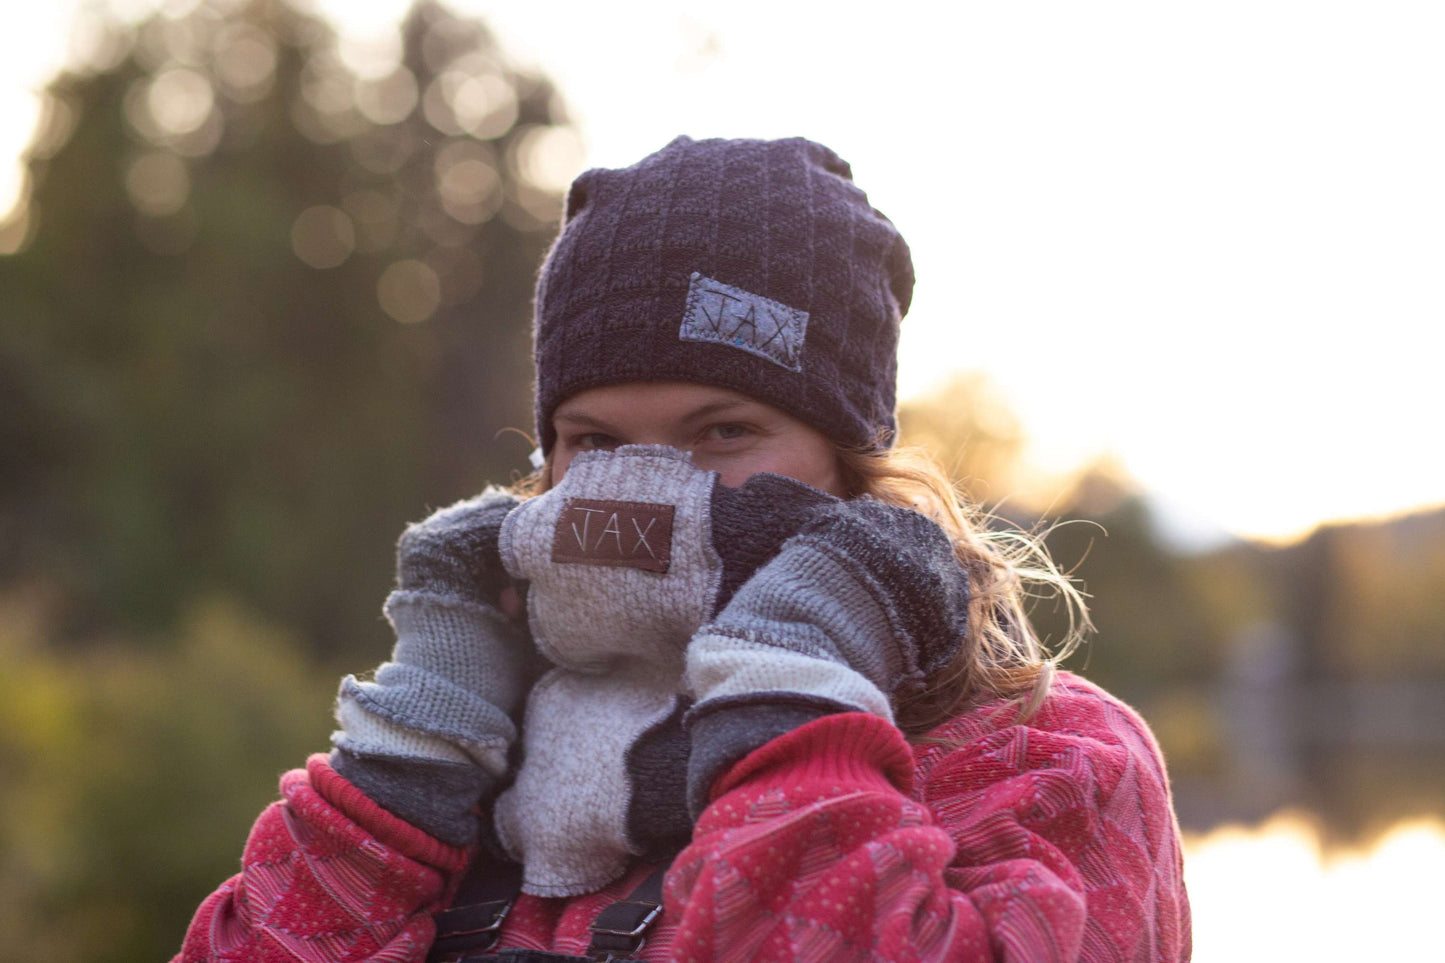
[752, 265]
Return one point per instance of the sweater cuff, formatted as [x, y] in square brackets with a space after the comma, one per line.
[724, 730]
[389, 829]
[855, 749]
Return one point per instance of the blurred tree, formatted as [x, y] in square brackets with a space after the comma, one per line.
[1382, 587]
[132, 776]
[1152, 630]
[967, 426]
[1161, 638]
[270, 302]
[1158, 644]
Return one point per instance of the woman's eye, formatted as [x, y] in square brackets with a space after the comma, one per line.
[727, 431]
[594, 439]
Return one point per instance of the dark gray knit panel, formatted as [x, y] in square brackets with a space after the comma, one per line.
[782, 220]
[725, 730]
[908, 565]
[658, 822]
[437, 797]
[454, 551]
[750, 524]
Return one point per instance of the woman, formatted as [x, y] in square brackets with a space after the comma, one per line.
[789, 704]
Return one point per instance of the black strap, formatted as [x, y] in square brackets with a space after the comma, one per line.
[474, 920]
[525, 956]
[472, 924]
[619, 931]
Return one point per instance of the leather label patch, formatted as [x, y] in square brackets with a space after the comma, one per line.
[602, 532]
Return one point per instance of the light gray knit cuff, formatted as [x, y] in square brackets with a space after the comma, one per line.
[413, 699]
[812, 600]
[471, 644]
[781, 660]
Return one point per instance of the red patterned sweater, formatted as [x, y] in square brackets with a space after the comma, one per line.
[1054, 839]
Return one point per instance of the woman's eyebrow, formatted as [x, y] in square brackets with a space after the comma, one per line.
[582, 420]
[717, 408]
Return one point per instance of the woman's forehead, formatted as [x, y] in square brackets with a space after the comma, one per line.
[672, 398]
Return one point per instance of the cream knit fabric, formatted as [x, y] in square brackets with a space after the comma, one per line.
[617, 634]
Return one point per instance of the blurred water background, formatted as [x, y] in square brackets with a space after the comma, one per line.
[264, 298]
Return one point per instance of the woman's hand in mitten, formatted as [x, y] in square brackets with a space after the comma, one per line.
[636, 548]
[863, 604]
[629, 554]
[428, 735]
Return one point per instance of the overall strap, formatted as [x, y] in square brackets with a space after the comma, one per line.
[619, 931]
[473, 923]
[474, 920]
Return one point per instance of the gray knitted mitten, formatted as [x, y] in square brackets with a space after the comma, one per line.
[632, 552]
[427, 737]
[861, 605]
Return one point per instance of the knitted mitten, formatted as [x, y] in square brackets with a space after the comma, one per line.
[427, 736]
[626, 558]
[862, 604]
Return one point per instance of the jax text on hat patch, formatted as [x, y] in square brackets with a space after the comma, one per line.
[594, 531]
[724, 314]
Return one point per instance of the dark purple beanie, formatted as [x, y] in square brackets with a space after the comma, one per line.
[745, 264]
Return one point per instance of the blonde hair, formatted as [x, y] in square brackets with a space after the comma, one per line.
[1002, 656]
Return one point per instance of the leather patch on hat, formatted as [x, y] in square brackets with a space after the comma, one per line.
[603, 532]
[724, 314]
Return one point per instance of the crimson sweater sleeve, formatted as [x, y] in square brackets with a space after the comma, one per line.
[327, 875]
[1020, 843]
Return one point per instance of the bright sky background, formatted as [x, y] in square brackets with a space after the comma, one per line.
[1207, 239]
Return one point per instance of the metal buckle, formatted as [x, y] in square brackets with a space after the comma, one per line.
[636, 931]
[498, 917]
[445, 948]
[635, 934]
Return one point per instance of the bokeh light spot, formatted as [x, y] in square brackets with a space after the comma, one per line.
[550, 157]
[245, 62]
[468, 183]
[58, 119]
[326, 85]
[374, 56]
[158, 183]
[437, 109]
[409, 291]
[136, 106]
[96, 44]
[384, 150]
[182, 37]
[202, 140]
[180, 100]
[389, 99]
[483, 105]
[323, 236]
